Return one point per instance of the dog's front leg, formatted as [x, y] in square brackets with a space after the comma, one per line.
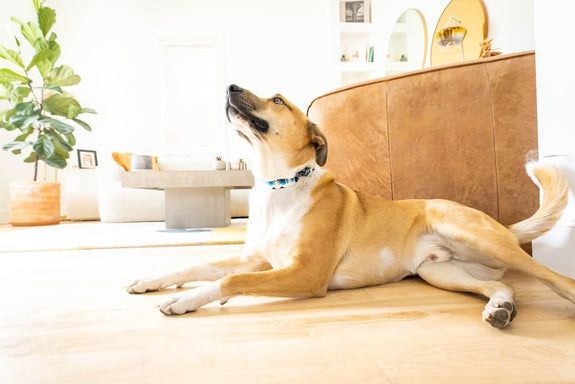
[202, 272]
[286, 282]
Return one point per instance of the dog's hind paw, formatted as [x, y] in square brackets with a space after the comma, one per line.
[499, 312]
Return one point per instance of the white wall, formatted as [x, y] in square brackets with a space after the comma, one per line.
[556, 122]
[555, 78]
[270, 46]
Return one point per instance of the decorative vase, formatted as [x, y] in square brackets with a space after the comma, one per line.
[34, 203]
[219, 164]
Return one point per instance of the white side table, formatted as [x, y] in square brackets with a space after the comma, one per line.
[194, 199]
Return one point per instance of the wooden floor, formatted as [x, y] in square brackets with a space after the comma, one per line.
[65, 318]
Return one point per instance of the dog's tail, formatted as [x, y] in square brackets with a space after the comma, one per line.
[554, 189]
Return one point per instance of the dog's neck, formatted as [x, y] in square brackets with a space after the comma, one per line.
[289, 182]
[278, 176]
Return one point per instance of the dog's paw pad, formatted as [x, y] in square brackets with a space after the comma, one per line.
[499, 314]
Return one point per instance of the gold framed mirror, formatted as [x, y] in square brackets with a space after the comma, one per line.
[407, 48]
[459, 32]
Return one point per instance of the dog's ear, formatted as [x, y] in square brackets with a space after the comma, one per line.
[320, 143]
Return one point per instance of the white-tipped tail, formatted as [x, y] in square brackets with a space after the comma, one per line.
[554, 190]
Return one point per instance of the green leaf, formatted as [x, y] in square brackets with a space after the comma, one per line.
[26, 107]
[56, 162]
[83, 124]
[61, 146]
[58, 125]
[31, 157]
[62, 76]
[37, 4]
[7, 90]
[88, 110]
[25, 135]
[71, 139]
[24, 119]
[54, 88]
[58, 104]
[12, 56]
[47, 54]
[16, 145]
[43, 147]
[31, 31]
[8, 76]
[20, 93]
[46, 19]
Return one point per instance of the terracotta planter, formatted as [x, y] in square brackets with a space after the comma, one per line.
[34, 203]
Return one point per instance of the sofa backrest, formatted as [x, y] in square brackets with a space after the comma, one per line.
[461, 132]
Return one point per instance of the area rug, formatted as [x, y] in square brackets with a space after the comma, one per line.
[97, 235]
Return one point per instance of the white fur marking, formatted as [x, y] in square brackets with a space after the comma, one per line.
[190, 301]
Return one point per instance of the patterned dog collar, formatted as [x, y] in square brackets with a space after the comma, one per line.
[283, 183]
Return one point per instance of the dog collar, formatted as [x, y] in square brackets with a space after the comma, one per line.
[283, 183]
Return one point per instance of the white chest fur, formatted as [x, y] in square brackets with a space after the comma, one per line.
[275, 219]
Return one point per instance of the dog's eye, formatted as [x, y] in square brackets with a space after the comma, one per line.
[278, 100]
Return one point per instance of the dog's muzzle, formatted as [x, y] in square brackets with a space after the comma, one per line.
[241, 104]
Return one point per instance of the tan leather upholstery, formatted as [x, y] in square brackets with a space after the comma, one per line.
[460, 132]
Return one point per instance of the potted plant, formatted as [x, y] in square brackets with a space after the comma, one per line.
[40, 112]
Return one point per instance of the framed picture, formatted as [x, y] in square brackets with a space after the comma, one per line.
[87, 159]
[354, 11]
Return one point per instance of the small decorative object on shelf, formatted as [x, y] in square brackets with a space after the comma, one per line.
[219, 164]
[239, 165]
[242, 166]
[354, 12]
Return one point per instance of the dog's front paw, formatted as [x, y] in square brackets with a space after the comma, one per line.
[190, 301]
[144, 285]
[499, 312]
[176, 305]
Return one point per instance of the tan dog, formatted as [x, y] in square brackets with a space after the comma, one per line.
[308, 234]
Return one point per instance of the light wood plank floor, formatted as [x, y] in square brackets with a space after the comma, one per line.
[65, 318]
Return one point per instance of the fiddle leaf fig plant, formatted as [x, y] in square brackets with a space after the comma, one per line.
[40, 111]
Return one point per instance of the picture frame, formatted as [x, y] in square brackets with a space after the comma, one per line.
[87, 159]
[354, 11]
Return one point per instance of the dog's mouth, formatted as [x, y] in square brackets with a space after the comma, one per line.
[241, 107]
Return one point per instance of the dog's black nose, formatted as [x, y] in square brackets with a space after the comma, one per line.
[234, 88]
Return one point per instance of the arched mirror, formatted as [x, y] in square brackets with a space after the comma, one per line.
[407, 48]
[459, 32]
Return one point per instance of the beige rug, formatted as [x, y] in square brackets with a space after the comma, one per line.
[97, 235]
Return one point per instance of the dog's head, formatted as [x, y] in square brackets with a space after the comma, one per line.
[275, 128]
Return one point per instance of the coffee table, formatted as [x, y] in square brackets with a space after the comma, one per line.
[194, 199]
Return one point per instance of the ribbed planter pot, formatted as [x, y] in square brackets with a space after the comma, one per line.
[34, 203]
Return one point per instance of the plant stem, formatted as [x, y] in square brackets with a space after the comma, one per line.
[36, 168]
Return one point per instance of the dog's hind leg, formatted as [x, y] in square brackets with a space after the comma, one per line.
[202, 272]
[454, 275]
[561, 285]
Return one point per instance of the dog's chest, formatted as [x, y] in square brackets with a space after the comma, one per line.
[275, 222]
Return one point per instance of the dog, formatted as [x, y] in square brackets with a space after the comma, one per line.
[308, 234]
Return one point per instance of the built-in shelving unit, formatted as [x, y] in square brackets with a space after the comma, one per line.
[357, 43]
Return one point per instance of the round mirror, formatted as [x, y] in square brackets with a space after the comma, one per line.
[459, 32]
[407, 48]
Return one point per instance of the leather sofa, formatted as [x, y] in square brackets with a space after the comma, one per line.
[461, 132]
